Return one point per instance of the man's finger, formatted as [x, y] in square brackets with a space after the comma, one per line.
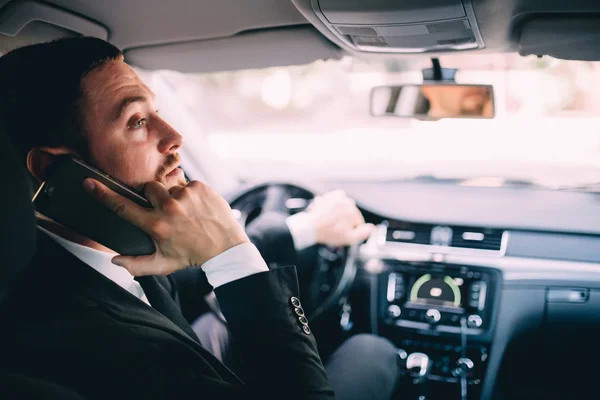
[338, 193]
[156, 193]
[356, 217]
[135, 265]
[175, 190]
[123, 207]
[360, 233]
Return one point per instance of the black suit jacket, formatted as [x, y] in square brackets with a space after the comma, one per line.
[66, 323]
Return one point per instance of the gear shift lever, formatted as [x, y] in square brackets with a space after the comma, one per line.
[418, 366]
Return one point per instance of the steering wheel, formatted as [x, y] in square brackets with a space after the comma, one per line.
[325, 283]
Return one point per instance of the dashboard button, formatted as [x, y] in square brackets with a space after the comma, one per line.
[433, 316]
[464, 367]
[394, 311]
[474, 321]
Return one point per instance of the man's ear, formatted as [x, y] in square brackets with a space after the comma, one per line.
[40, 158]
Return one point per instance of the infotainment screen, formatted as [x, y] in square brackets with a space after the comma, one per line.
[438, 290]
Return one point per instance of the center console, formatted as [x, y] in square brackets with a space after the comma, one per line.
[445, 313]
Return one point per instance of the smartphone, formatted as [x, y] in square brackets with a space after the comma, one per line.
[63, 199]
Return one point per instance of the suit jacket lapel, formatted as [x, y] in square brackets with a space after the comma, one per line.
[69, 275]
[162, 302]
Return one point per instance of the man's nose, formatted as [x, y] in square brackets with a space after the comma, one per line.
[170, 139]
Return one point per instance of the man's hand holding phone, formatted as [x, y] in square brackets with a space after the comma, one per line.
[189, 225]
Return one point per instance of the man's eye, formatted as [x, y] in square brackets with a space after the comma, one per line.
[139, 124]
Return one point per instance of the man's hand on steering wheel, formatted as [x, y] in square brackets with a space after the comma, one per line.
[337, 220]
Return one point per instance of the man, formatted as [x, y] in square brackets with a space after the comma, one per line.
[79, 321]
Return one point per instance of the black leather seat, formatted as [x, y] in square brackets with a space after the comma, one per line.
[17, 246]
[17, 220]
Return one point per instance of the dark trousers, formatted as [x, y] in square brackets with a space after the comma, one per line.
[365, 367]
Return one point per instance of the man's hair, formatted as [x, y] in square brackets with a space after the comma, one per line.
[40, 92]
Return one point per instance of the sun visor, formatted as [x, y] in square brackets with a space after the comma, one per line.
[28, 22]
[566, 37]
[257, 49]
[18, 14]
[391, 26]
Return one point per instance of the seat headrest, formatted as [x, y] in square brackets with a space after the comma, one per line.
[17, 219]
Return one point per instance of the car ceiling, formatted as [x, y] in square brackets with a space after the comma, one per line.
[179, 34]
[135, 23]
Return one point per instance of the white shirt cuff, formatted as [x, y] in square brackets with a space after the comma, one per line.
[235, 263]
[302, 230]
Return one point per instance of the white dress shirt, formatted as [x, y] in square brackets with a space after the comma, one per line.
[236, 263]
[302, 230]
[101, 262]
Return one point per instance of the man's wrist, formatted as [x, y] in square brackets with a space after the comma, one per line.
[235, 263]
[302, 229]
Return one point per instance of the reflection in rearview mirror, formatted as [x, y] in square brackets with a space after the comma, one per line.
[433, 101]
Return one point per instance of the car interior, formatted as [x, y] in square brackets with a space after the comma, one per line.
[483, 270]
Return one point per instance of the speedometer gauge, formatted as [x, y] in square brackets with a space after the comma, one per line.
[436, 290]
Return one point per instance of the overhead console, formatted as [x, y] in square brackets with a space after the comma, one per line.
[391, 26]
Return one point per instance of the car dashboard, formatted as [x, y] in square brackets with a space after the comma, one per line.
[501, 283]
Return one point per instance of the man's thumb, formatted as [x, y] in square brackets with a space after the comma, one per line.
[138, 265]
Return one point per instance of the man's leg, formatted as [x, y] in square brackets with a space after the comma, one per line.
[213, 334]
[216, 338]
[365, 367]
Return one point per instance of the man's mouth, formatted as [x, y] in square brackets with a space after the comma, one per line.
[169, 168]
[173, 172]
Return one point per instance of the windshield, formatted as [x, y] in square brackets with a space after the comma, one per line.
[312, 122]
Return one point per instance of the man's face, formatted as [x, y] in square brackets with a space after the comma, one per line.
[127, 138]
[458, 100]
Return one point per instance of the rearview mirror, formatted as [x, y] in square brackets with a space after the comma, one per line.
[433, 101]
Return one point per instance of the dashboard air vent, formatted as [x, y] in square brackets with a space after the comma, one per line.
[446, 238]
[405, 232]
[477, 238]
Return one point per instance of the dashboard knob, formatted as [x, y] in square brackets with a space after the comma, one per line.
[463, 367]
[433, 316]
[394, 311]
[474, 321]
[466, 363]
